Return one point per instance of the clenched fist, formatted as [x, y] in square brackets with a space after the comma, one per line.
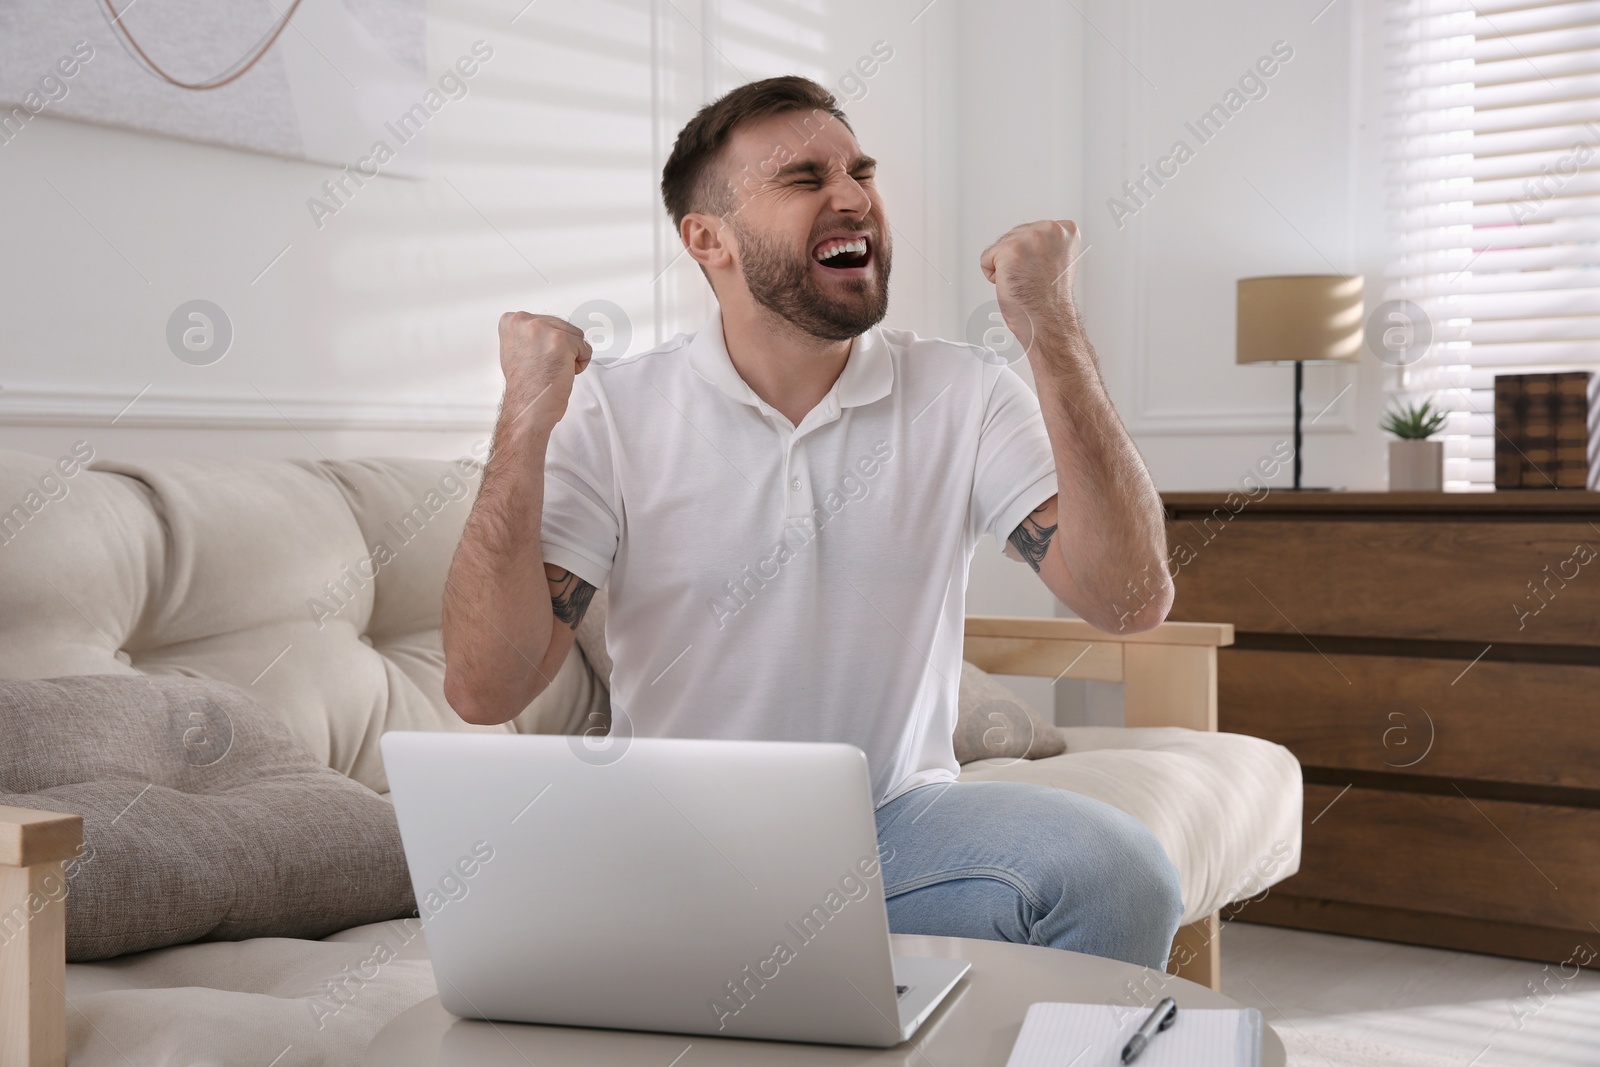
[540, 355]
[1031, 267]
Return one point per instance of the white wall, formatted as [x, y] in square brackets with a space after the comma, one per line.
[375, 331]
[1287, 187]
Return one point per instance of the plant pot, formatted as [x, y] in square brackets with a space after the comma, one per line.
[1416, 466]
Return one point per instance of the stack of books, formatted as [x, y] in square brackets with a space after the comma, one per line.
[1542, 431]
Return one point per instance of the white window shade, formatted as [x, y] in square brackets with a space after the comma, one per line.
[1494, 184]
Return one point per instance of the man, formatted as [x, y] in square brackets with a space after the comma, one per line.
[785, 505]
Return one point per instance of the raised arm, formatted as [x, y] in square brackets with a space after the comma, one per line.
[508, 616]
[1100, 545]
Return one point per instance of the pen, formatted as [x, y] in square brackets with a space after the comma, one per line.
[1161, 1016]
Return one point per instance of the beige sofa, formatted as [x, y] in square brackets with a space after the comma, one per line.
[316, 588]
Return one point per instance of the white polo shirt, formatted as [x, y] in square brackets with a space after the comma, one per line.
[796, 583]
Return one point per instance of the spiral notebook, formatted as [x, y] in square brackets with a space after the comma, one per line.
[1093, 1035]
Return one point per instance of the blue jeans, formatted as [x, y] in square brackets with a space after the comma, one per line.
[1018, 861]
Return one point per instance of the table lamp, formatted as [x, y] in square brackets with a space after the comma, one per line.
[1299, 319]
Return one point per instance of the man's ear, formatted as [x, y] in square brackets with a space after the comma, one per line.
[707, 238]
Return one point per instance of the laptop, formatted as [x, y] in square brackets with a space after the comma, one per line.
[729, 888]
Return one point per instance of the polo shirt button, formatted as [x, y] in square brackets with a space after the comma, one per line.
[795, 485]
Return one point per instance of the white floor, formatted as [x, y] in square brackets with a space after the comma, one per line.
[1350, 1002]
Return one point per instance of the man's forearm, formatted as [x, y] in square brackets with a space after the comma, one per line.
[497, 612]
[1112, 533]
[1112, 537]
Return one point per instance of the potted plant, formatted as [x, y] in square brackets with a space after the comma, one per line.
[1415, 463]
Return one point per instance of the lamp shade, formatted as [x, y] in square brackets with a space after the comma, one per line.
[1310, 318]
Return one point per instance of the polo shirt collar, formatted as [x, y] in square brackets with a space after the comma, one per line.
[868, 373]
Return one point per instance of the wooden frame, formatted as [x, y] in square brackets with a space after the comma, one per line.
[1169, 678]
[33, 935]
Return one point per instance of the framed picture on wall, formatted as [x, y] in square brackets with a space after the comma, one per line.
[321, 80]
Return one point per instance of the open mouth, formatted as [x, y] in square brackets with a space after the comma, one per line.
[844, 253]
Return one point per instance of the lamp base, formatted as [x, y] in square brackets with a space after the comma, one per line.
[1299, 387]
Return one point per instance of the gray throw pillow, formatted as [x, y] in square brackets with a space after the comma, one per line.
[992, 722]
[204, 818]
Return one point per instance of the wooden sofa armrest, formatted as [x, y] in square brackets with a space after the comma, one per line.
[1169, 674]
[33, 935]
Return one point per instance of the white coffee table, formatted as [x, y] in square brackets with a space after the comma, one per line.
[974, 1027]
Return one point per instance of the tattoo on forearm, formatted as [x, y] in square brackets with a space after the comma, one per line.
[570, 597]
[1032, 540]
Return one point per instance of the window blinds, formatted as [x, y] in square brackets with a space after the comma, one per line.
[1493, 174]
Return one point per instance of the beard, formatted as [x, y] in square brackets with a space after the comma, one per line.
[782, 282]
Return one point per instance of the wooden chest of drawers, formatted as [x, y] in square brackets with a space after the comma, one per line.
[1434, 662]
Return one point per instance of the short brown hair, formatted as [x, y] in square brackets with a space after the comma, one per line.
[687, 181]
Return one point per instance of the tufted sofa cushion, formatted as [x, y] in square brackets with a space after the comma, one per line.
[1225, 807]
[313, 586]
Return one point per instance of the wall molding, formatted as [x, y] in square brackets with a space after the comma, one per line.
[1142, 419]
[1233, 423]
[153, 410]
